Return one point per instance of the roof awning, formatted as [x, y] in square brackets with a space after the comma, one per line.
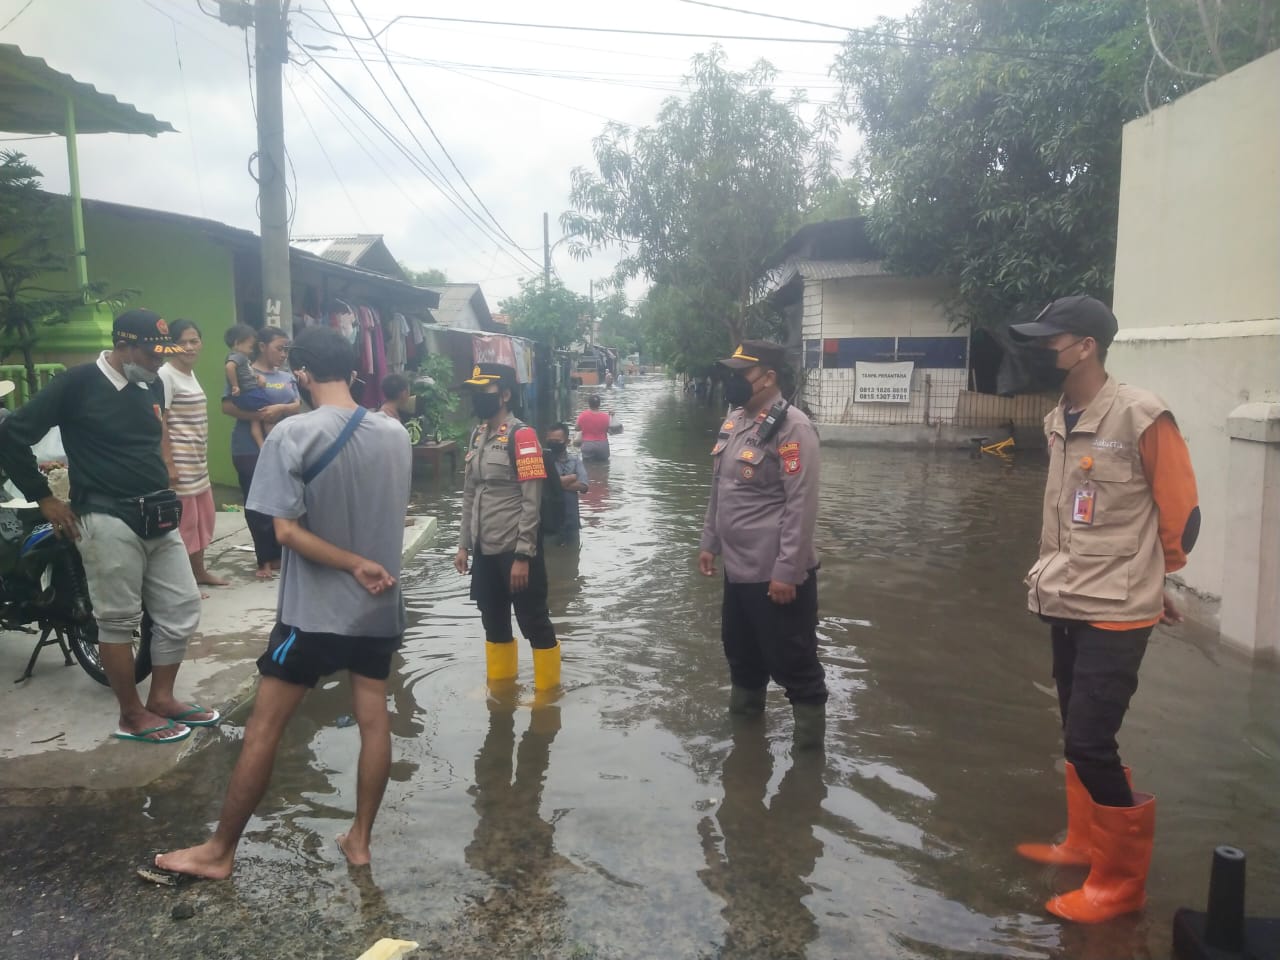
[33, 99]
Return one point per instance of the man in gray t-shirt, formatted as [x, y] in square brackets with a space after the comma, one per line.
[336, 482]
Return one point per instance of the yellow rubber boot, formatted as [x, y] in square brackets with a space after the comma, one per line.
[501, 660]
[546, 668]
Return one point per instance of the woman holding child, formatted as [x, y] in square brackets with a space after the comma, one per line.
[279, 400]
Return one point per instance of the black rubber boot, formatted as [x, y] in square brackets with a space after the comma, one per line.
[811, 725]
[746, 702]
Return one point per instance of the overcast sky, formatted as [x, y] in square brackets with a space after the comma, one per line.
[497, 97]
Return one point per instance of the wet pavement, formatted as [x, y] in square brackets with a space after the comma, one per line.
[633, 819]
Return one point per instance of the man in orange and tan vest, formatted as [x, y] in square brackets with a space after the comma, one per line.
[1120, 512]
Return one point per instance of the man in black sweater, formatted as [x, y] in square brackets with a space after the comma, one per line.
[121, 511]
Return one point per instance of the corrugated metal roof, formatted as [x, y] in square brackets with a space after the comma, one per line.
[33, 99]
[343, 248]
[456, 297]
[839, 269]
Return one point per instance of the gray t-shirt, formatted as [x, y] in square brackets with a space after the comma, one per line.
[358, 502]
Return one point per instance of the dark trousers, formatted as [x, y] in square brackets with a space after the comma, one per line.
[1097, 673]
[491, 590]
[764, 640]
[261, 527]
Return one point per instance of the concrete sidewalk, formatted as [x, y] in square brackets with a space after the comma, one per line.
[58, 724]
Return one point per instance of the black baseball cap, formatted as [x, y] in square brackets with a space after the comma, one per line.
[1083, 316]
[484, 374]
[146, 329]
[752, 353]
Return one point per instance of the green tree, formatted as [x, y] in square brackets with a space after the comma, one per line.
[553, 315]
[993, 133]
[424, 278]
[620, 327]
[698, 201]
[30, 232]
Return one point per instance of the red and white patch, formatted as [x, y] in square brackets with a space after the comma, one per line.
[791, 465]
[529, 463]
[748, 473]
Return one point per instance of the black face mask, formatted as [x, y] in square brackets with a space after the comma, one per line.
[556, 446]
[1032, 369]
[486, 405]
[738, 390]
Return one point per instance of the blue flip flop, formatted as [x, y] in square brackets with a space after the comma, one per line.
[196, 708]
[143, 736]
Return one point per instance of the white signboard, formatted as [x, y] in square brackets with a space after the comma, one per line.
[882, 382]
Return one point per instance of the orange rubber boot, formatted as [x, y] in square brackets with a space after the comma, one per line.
[1073, 851]
[1074, 848]
[1120, 849]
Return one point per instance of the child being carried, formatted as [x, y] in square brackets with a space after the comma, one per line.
[247, 386]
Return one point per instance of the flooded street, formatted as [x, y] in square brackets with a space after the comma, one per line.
[633, 818]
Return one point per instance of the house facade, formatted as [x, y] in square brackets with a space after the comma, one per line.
[879, 359]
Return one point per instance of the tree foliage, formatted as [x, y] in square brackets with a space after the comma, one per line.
[553, 314]
[430, 277]
[30, 232]
[993, 133]
[620, 326]
[698, 201]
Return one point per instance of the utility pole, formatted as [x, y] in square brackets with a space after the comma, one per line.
[591, 310]
[546, 252]
[271, 36]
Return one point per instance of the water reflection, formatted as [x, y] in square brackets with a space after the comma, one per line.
[513, 844]
[760, 852]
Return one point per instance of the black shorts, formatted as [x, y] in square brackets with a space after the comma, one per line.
[302, 658]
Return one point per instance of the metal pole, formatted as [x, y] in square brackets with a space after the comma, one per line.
[591, 319]
[273, 202]
[546, 252]
[77, 212]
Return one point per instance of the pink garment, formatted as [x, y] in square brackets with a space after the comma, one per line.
[594, 425]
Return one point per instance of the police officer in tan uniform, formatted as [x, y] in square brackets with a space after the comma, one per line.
[760, 521]
[1120, 512]
[501, 494]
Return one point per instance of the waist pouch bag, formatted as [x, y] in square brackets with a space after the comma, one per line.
[154, 515]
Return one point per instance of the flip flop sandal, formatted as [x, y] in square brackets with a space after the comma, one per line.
[143, 736]
[165, 878]
[196, 708]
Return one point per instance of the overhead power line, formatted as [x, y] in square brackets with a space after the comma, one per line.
[443, 149]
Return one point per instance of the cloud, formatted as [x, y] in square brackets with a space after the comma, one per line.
[495, 96]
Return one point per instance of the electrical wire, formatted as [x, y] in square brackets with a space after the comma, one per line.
[575, 27]
[879, 36]
[191, 130]
[344, 119]
[324, 153]
[8, 23]
[413, 160]
[434, 136]
[438, 178]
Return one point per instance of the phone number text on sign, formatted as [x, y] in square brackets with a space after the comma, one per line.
[883, 382]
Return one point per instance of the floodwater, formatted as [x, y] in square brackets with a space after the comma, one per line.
[634, 819]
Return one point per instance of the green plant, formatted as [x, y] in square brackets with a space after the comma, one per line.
[436, 399]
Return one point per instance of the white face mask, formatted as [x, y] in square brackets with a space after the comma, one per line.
[136, 373]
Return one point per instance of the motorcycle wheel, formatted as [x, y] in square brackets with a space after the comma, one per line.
[83, 641]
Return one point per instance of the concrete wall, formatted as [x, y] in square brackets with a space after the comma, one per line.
[180, 272]
[1197, 287]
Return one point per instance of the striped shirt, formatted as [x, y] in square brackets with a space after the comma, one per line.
[188, 430]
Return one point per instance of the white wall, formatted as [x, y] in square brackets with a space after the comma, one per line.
[1197, 286]
[879, 306]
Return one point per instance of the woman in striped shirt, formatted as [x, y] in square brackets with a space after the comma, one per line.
[186, 419]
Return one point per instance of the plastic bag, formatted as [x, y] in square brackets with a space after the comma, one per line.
[615, 425]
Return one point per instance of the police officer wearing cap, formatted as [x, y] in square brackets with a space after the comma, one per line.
[1120, 512]
[760, 521]
[500, 536]
[123, 513]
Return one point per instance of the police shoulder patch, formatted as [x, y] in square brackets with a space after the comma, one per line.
[529, 463]
[786, 450]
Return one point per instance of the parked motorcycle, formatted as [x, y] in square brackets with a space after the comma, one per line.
[43, 591]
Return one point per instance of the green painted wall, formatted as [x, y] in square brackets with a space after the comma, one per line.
[180, 272]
